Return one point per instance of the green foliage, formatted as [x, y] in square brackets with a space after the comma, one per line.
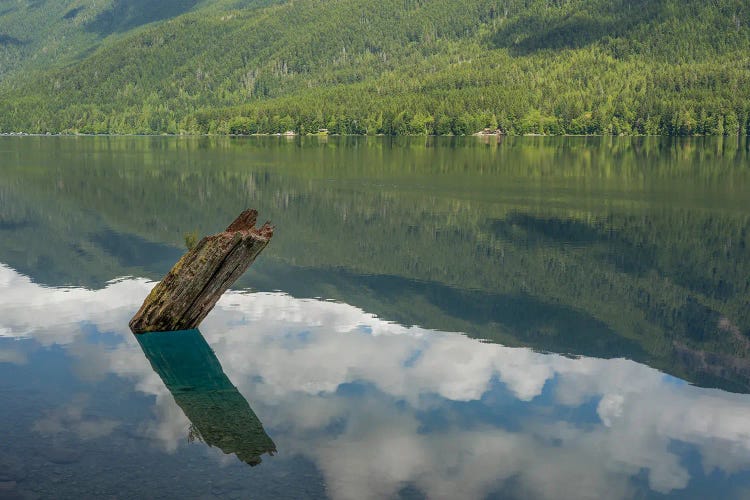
[191, 239]
[396, 67]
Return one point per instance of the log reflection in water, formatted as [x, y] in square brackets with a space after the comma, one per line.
[220, 416]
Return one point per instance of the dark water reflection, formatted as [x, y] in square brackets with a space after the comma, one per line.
[219, 415]
[612, 277]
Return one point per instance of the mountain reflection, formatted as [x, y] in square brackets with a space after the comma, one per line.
[636, 248]
[219, 414]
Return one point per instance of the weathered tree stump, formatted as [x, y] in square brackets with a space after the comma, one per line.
[192, 287]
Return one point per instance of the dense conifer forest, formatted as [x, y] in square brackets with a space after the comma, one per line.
[393, 67]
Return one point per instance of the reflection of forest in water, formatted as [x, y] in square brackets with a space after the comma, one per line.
[605, 247]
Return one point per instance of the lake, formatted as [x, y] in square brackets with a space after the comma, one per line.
[551, 318]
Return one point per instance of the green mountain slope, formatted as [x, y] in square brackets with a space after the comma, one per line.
[399, 67]
[38, 34]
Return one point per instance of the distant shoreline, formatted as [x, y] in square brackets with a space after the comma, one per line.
[288, 136]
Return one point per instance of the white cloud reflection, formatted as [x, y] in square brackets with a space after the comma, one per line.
[74, 418]
[12, 356]
[294, 358]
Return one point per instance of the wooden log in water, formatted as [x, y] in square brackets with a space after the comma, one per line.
[219, 415]
[192, 287]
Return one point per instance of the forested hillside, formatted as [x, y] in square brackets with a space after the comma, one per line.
[677, 67]
[37, 34]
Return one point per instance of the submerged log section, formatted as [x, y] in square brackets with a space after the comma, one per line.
[193, 286]
[219, 415]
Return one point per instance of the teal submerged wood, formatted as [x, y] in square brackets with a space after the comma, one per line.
[219, 415]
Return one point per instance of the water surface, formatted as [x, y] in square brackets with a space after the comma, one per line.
[440, 318]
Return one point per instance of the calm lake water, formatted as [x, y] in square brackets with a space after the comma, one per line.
[552, 318]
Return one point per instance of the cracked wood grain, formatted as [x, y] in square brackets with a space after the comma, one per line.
[192, 287]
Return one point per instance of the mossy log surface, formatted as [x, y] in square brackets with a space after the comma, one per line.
[192, 287]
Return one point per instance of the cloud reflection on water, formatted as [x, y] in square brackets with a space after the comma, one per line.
[378, 406]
